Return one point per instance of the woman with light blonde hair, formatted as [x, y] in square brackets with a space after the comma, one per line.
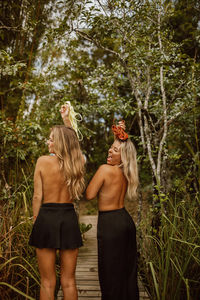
[116, 233]
[58, 180]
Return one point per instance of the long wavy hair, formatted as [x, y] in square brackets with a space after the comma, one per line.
[129, 167]
[72, 163]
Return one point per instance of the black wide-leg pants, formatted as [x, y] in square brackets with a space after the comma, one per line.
[117, 255]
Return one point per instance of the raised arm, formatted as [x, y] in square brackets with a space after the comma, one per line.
[37, 196]
[95, 184]
[64, 111]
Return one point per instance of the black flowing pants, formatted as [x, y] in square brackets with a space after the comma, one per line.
[117, 255]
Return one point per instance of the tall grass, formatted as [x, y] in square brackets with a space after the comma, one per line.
[19, 276]
[170, 260]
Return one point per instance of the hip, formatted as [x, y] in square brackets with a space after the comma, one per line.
[56, 212]
[118, 220]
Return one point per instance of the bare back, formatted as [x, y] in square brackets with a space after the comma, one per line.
[110, 184]
[54, 188]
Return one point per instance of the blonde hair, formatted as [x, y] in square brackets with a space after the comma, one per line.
[74, 118]
[67, 149]
[129, 167]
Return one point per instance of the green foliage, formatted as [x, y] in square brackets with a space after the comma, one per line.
[21, 144]
[85, 227]
[103, 56]
[169, 261]
[91, 207]
[184, 23]
[19, 275]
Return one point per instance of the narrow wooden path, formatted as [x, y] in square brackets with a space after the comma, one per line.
[87, 270]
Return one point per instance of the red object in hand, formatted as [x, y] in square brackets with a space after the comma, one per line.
[119, 133]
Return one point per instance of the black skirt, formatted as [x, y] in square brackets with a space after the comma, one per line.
[117, 255]
[56, 227]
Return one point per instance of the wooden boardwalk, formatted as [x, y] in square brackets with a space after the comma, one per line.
[87, 270]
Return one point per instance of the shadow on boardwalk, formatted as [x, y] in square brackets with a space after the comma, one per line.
[87, 270]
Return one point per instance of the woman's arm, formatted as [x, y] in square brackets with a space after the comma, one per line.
[37, 196]
[64, 111]
[95, 184]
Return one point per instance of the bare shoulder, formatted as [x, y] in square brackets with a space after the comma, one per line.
[112, 170]
[103, 167]
[107, 169]
[45, 160]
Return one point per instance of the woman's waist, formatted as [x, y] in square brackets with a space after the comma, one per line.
[110, 203]
[111, 210]
[56, 195]
[61, 205]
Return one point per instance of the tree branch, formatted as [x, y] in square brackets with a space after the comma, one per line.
[10, 28]
[165, 127]
[170, 121]
[92, 40]
[152, 162]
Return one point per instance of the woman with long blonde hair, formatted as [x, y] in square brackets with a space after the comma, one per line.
[58, 180]
[116, 233]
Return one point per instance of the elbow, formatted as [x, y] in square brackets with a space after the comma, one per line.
[37, 198]
[89, 195]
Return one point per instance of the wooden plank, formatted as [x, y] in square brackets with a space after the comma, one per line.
[86, 271]
[88, 298]
[87, 266]
[88, 277]
[89, 287]
[83, 282]
[94, 293]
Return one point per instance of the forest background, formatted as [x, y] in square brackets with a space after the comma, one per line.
[136, 60]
